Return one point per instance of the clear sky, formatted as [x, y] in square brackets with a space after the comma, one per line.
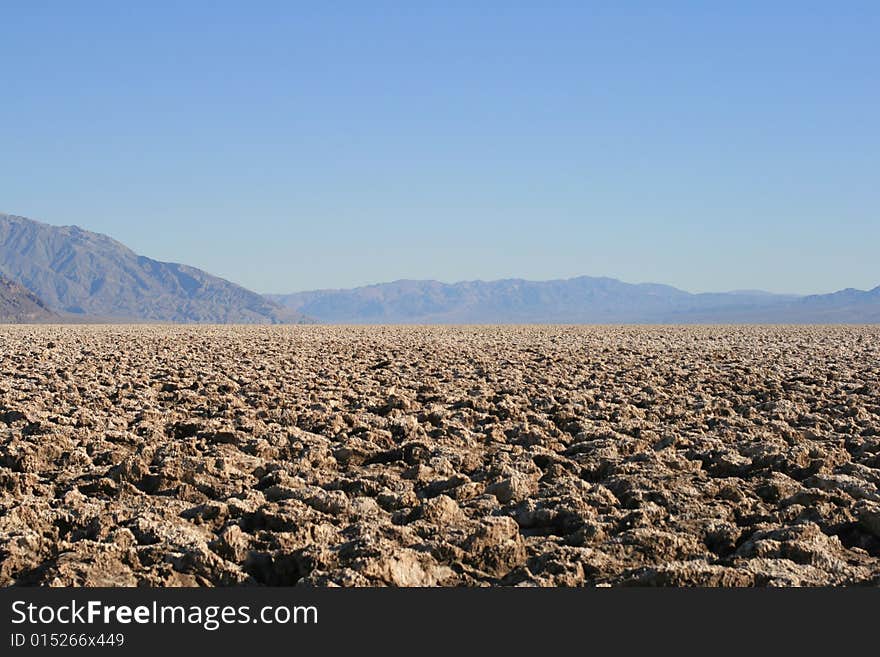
[290, 146]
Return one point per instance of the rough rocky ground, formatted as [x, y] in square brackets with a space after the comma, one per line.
[163, 456]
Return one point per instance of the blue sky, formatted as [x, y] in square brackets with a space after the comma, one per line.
[291, 146]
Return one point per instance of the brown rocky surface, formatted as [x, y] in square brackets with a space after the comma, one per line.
[185, 456]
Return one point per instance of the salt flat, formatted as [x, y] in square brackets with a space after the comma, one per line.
[501, 455]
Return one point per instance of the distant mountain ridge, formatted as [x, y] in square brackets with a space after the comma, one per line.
[81, 273]
[65, 273]
[580, 300]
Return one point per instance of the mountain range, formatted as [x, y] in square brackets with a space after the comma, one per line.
[581, 300]
[65, 273]
[81, 274]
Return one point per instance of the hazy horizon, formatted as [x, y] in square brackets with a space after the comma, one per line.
[487, 280]
[537, 280]
[299, 148]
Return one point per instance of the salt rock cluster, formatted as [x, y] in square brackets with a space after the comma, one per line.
[439, 456]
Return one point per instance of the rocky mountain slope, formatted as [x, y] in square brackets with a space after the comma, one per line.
[577, 300]
[18, 304]
[88, 274]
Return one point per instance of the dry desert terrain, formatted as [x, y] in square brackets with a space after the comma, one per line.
[212, 456]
